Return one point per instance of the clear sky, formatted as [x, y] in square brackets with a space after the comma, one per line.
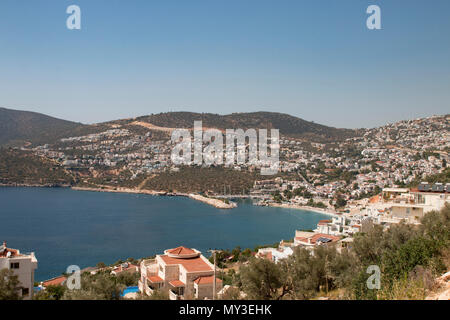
[314, 59]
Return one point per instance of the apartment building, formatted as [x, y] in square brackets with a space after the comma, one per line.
[184, 272]
[409, 205]
[23, 266]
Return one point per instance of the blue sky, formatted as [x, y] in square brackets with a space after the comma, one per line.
[314, 59]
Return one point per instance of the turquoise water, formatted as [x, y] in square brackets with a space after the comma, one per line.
[66, 227]
[129, 290]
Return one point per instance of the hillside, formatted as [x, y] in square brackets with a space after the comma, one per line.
[22, 127]
[287, 124]
[18, 128]
[21, 167]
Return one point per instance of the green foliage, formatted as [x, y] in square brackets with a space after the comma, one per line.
[340, 202]
[408, 256]
[288, 125]
[50, 293]
[262, 279]
[18, 127]
[443, 177]
[101, 286]
[22, 167]
[203, 180]
[9, 285]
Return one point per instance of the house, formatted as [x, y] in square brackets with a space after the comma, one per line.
[333, 227]
[23, 266]
[324, 226]
[312, 239]
[184, 272]
[125, 268]
[58, 281]
[427, 197]
[274, 254]
[409, 205]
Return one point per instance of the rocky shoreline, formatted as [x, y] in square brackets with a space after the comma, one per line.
[211, 201]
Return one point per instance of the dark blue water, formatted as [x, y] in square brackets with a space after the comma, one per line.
[65, 227]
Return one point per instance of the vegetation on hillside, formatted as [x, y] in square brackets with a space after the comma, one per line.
[409, 259]
[443, 177]
[21, 127]
[196, 179]
[287, 124]
[22, 167]
[18, 128]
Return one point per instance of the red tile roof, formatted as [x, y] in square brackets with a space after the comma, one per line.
[191, 264]
[316, 236]
[54, 282]
[375, 199]
[177, 283]
[181, 251]
[206, 280]
[155, 279]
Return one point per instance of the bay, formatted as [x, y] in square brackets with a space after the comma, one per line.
[67, 227]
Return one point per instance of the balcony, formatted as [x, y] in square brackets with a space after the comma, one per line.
[149, 267]
[143, 287]
[174, 296]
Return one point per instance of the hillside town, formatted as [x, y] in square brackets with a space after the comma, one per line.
[318, 174]
[389, 176]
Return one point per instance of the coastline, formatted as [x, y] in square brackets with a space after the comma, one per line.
[305, 208]
[127, 190]
[210, 201]
[213, 202]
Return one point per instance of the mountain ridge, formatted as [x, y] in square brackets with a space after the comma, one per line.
[18, 128]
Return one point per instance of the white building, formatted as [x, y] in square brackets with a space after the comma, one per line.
[274, 254]
[23, 266]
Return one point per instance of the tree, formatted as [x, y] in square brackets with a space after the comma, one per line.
[9, 285]
[340, 202]
[101, 286]
[55, 292]
[262, 279]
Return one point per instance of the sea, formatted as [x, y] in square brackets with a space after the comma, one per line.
[65, 227]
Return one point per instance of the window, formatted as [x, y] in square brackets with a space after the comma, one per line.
[14, 265]
[25, 291]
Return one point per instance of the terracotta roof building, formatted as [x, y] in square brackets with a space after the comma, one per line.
[184, 272]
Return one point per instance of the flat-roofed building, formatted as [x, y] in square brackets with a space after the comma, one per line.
[22, 265]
